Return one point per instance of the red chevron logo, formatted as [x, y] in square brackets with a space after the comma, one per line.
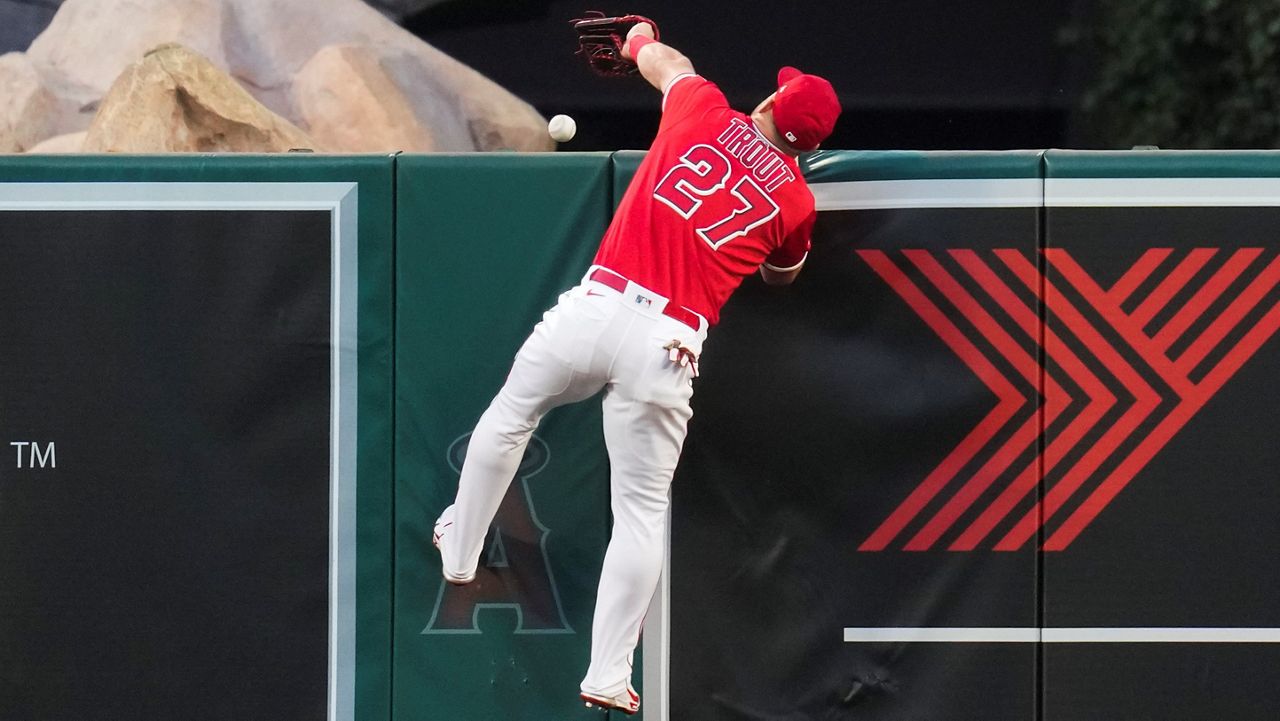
[1065, 317]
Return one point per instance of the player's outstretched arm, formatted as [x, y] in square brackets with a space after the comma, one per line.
[658, 63]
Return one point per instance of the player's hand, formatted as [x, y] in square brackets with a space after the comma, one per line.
[644, 29]
[602, 41]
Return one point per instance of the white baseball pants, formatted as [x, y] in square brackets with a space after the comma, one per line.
[595, 337]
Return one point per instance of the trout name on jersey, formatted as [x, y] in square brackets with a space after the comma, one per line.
[744, 143]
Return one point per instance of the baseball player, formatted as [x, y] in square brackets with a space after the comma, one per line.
[718, 196]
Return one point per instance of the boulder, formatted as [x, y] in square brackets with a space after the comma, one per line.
[291, 32]
[68, 143]
[91, 42]
[26, 118]
[175, 100]
[346, 100]
[265, 44]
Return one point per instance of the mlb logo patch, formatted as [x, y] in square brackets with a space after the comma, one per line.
[641, 300]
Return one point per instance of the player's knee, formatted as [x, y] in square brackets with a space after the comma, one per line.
[506, 434]
[513, 437]
[509, 421]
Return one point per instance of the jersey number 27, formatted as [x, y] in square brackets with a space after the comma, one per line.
[703, 172]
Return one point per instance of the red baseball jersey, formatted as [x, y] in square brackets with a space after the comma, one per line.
[711, 202]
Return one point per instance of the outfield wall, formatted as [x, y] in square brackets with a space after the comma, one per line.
[1002, 451]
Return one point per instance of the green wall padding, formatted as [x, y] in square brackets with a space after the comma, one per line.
[486, 243]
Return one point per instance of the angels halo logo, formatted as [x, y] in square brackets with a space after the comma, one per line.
[515, 571]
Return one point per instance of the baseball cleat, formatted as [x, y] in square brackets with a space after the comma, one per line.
[437, 539]
[628, 702]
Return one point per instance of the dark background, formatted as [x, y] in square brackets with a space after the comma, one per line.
[913, 74]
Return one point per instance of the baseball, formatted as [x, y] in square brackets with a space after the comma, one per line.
[561, 128]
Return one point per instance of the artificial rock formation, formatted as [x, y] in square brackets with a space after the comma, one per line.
[174, 100]
[69, 143]
[274, 49]
[27, 117]
[348, 101]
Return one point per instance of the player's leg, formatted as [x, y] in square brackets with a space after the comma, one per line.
[644, 433]
[551, 369]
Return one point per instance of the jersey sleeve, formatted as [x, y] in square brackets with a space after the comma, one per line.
[795, 247]
[689, 96]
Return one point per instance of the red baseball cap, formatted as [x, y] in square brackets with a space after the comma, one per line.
[805, 108]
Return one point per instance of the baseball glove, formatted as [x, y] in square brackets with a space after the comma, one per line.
[600, 41]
